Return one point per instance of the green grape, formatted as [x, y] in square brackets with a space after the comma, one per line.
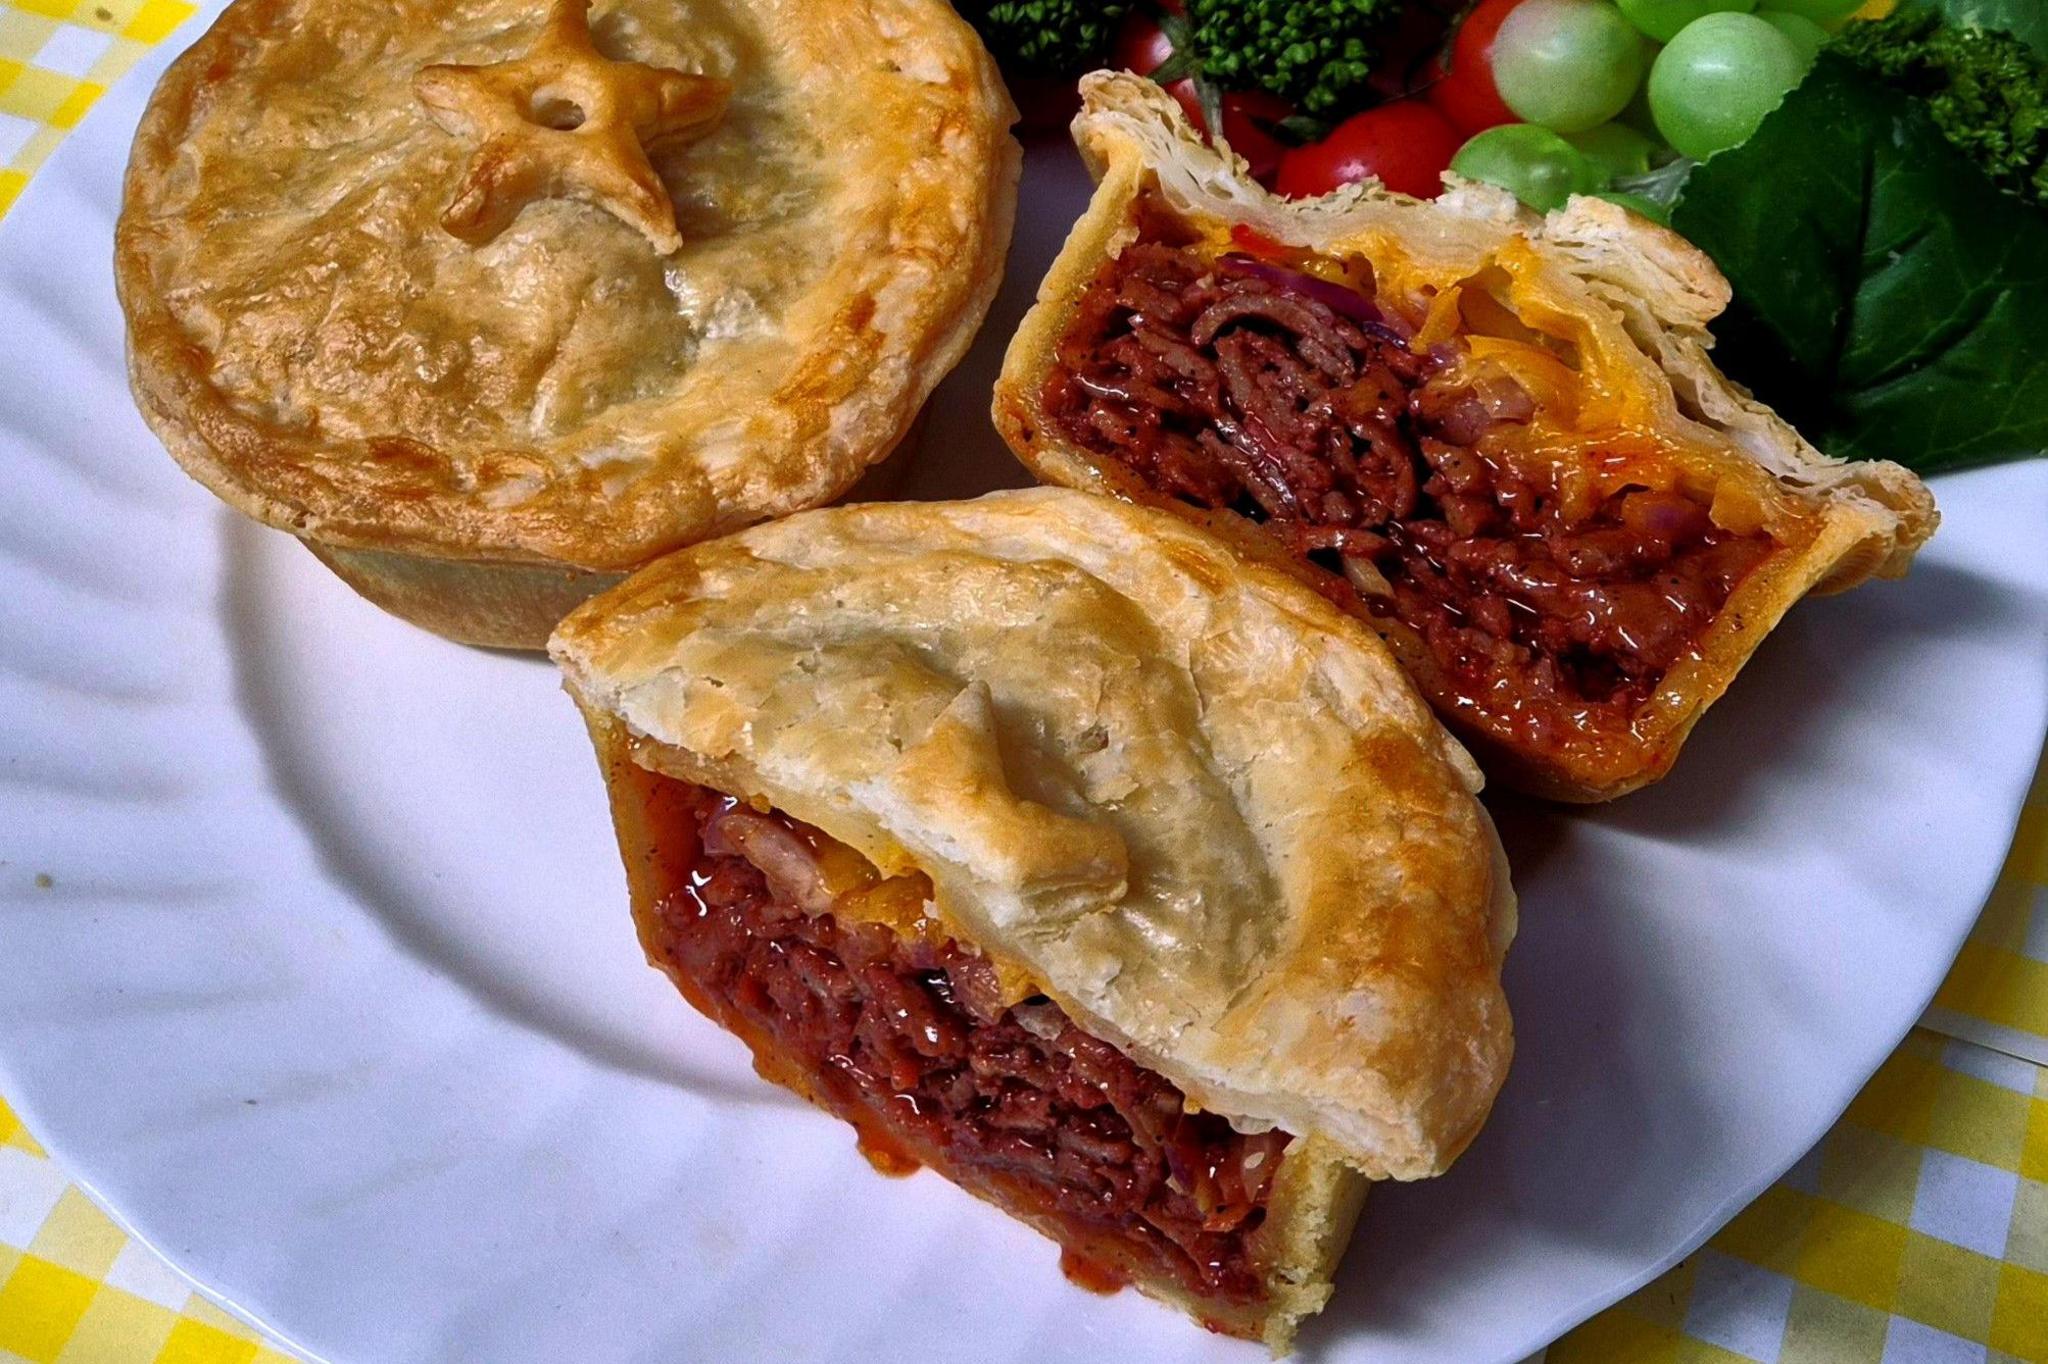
[1615, 149]
[1636, 203]
[1829, 14]
[1567, 64]
[1534, 164]
[1662, 19]
[1805, 34]
[1718, 79]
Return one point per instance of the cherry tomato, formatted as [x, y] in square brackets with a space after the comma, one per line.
[1250, 240]
[1141, 45]
[1406, 146]
[1465, 94]
[1247, 115]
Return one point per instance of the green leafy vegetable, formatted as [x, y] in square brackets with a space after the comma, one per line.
[2026, 20]
[1661, 185]
[1889, 300]
[1988, 92]
[1299, 130]
[1047, 37]
[1317, 53]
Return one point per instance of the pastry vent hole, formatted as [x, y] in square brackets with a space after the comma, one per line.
[563, 115]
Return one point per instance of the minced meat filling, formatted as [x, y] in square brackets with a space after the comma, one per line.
[909, 1035]
[1236, 383]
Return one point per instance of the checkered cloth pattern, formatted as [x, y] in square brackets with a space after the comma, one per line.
[74, 1289]
[56, 58]
[1997, 993]
[1915, 1233]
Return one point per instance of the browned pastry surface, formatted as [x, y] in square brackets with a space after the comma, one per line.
[314, 346]
[618, 110]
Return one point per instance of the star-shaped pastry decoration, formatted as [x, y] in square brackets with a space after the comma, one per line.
[564, 121]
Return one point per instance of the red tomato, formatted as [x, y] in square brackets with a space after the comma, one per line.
[1247, 114]
[1183, 92]
[1254, 242]
[1141, 45]
[1405, 145]
[1465, 94]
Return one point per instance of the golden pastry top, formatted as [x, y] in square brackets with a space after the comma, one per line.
[314, 346]
[565, 121]
[1201, 806]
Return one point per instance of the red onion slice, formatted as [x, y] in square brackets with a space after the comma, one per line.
[1338, 298]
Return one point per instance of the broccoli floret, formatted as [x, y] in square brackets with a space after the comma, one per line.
[1317, 53]
[1047, 37]
[1988, 91]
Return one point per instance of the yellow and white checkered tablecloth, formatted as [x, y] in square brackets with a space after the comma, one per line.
[1997, 992]
[74, 1288]
[1915, 1233]
[56, 58]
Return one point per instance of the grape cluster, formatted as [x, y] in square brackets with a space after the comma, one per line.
[1609, 89]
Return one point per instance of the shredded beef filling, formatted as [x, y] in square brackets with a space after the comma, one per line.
[909, 1038]
[1237, 384]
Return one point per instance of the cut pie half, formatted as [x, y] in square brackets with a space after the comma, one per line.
[1494, 436]
[1127, 886]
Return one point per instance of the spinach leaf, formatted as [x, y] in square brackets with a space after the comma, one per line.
[2026, 20]
[1888, 300]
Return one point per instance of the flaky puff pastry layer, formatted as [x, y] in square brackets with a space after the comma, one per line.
[1198, 805]
[1627, 300]
[312, 345]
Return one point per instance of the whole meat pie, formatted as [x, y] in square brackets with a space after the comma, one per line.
[490, 302]
[1496, 437]
[1130, 888]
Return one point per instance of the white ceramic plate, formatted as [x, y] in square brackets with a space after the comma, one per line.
[332, 994]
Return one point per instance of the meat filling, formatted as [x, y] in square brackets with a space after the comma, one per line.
[906, 1034]
[1235, 383]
